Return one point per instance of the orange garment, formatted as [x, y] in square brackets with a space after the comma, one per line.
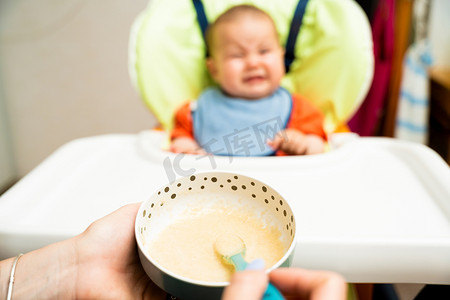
[304, 117]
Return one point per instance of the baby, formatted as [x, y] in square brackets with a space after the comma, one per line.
[248, 114]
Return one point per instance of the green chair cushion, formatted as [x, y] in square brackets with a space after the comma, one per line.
[333, 66]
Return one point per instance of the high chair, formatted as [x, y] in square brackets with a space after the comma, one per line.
[328, 43]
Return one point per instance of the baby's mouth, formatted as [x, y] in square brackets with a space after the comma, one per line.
[254, 79]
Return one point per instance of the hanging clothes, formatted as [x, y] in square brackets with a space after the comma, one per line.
[413, 106]
[366, 118]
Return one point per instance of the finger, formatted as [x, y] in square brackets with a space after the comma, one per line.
[295, 145]
[275, 145]
[249, 285]
[310, 284]
[118, 225]
[175, 149]
[277, 141]
[299, 149]
[290, 147]
[285, 140]
[200, 151]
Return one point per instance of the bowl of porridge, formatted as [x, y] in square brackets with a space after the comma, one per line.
[176, 229]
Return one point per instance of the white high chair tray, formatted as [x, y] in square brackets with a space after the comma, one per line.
[374, 209]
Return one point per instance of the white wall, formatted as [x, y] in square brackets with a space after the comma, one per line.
[64, 73]
[439, 32]
[7, 168]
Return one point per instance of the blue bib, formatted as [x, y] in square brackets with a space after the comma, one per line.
[239, 127]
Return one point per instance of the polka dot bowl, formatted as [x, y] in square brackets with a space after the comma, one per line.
[202, 192]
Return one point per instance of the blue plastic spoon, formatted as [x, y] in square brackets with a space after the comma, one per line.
[232, 250]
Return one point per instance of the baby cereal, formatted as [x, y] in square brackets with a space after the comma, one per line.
[186, 247]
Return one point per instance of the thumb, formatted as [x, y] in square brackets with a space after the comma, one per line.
[249, 284]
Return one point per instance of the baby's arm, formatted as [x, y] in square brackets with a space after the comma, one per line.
[182, 135]
[186, 145]
[294, 142]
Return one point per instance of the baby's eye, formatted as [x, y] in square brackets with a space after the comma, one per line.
[236, 55]
[264, 51]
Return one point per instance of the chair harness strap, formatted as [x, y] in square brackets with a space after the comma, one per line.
[296, 23]
[202, 20]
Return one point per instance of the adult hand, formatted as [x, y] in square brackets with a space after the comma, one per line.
[108, 263]
[100, 263]
[293, 283]
[249, 285]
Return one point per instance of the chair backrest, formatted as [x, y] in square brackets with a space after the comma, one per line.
[332, 67]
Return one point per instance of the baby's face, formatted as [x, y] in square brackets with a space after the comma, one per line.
[247, 59]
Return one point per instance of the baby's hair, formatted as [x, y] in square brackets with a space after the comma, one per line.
[232, 14]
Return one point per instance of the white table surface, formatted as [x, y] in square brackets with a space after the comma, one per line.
[374, 209]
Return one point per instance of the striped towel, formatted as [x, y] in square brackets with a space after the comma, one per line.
[413, 106]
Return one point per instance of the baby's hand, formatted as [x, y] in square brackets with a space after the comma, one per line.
[186, 145]
[294, 142]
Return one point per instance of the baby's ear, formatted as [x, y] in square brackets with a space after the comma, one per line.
[211, 66]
